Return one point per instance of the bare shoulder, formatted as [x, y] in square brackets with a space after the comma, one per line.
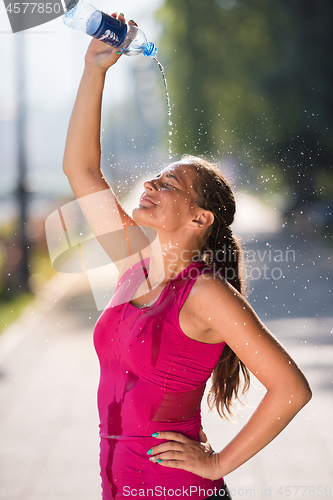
[211, 287]
[218, 306]
[196, 316]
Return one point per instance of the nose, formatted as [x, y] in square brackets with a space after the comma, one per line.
[150, 185]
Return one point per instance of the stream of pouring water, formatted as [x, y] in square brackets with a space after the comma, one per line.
[169, 106]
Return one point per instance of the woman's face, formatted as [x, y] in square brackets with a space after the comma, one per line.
[168, 200]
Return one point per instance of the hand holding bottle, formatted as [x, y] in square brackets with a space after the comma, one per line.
[101, 55]
[83, 16]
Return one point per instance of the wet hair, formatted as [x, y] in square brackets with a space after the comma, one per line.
[223, 253]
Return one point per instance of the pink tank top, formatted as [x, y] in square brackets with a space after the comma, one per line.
[152, 379]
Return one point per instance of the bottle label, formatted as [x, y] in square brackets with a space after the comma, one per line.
[111, 31]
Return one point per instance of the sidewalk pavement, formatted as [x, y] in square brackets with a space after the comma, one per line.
[49, 375]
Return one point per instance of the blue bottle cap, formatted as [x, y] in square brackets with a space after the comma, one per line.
[150, 50]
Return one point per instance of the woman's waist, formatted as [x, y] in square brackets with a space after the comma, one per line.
[137, 430]
[138, 406]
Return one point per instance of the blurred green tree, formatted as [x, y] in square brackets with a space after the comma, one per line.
[253, 79]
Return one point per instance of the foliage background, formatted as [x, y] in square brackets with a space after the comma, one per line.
[252, 80]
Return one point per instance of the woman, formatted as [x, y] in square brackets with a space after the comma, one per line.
[172, 321]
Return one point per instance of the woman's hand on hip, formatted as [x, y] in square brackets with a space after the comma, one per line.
[101, 55]
[180, 452]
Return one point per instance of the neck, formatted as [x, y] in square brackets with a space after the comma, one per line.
[169, 257]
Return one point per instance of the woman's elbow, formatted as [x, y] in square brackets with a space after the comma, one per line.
[296, 390]
[307, 395]
[303, 393]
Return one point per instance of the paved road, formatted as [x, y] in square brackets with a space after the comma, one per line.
[49, 374]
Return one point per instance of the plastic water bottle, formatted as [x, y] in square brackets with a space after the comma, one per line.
[83, 16]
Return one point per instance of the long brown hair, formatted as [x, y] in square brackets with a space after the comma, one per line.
[222, 252]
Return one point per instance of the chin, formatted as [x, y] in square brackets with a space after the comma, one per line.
[140, 216]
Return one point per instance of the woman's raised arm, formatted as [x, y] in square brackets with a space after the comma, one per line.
[82, 154]
[82, 158]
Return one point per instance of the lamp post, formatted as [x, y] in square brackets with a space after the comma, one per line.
[22, 272]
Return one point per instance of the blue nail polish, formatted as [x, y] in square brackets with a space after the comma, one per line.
[149, 452]
[158, 460]
[155, 434]
[201, 427]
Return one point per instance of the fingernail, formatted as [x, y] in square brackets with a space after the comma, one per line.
[132, 21]
[118, 52]
[155, 434]
[201, 427]
[152, 459]
[121, 14]
[158, 460]
[149, 452]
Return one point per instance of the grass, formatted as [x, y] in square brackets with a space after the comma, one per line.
[12, 306]
[12, 309]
